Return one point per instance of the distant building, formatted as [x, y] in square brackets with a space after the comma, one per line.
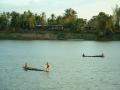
[89, 27]
[49, 27]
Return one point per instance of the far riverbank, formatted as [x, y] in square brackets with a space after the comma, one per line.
[56, 36]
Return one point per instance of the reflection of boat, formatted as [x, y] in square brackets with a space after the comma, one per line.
[33, 69]
[102, 55]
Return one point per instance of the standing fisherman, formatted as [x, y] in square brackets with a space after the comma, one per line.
[47, 67]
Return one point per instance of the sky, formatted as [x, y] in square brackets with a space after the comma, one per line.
[85, 8]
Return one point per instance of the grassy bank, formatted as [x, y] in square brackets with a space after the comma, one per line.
[54, 36]
[45, 36]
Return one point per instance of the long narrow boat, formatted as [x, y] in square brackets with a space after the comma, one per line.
[93, 56]
[33, 69]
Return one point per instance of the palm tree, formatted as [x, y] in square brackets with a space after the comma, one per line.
[59, 20]
[52, 20]
[70, 18]
[70, 13]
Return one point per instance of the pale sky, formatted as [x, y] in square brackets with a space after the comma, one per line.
[85, 8]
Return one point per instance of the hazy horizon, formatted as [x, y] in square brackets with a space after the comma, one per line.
[85, 8]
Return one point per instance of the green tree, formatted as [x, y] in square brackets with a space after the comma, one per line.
[52, 20]
[116, 16]
[31, 20]
[15, 21]
[80, 24]
[101, 21]
[4, 21]
[37, 19]
[104, 23]
[43, 18]
[91, 24]
[27, 20]
[109, 24]
[59, 20]
[70, 17]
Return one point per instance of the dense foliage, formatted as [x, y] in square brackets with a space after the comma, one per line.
[102, 24]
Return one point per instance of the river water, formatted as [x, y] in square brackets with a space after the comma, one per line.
[68, 69]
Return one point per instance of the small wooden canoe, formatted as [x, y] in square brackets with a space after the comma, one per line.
[33, 69]
[93, 56]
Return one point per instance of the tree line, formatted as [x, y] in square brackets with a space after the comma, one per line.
[20, 22]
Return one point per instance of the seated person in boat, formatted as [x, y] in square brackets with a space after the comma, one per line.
[102, 55]
[47, 67]
[25, 66]
[83, 55]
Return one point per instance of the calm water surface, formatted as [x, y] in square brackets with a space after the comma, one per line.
[68, 70]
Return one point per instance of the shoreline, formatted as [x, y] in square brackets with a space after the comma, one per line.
[56, 36]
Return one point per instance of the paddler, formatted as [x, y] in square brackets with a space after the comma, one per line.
[47, 67]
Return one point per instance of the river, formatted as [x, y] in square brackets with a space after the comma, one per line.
[68, 69]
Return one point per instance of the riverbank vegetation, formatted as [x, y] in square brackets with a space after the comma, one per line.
[27, 25]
